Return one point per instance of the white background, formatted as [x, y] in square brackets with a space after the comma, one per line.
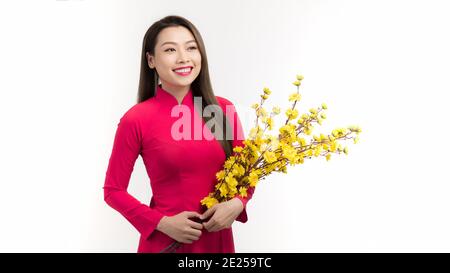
[70, 69]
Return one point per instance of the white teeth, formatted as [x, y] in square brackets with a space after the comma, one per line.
[183, 70]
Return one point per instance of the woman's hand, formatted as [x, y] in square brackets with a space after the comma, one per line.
[223, 215]
[180, 228]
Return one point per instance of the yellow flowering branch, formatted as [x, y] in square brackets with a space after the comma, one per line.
[263, 154]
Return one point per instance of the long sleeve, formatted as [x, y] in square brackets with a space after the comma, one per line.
[238, 139]
[126, 149]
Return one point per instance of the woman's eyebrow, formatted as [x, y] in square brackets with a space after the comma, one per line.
[176, 43]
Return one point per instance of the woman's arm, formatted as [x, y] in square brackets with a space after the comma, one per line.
[126, 149]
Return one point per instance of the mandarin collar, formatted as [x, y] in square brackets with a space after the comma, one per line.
[165, 95]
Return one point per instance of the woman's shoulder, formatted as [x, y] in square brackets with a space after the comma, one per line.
[140, 111]
[223, 101]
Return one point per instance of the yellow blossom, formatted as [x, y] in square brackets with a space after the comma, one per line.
[230, 161]
[317, 150]
[238, 170]
[270, 157]
[243, 192]
[264, 97]
[324, 106]
[232, 192]
[339, 132]
[231, 182]
[291, 113]
[253, 179]
[333, 146]
[290, 153]
[255, 105]
[302, 141]
[220, 175]
[296, 83]
[299, 77]
[269, 122]
[254, 132]
[335, 133]
[288, 129]
[258, 141]
[295, 97]
[223, 189]
[308, 131]
[209, 201]
[276, 110]
[356, 129]
[267, 91]
[261, 112]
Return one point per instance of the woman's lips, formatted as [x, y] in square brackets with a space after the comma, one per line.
[184, 73]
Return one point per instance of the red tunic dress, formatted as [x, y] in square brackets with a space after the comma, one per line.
[181, 172]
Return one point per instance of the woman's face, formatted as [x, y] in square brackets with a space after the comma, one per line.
[175, 47]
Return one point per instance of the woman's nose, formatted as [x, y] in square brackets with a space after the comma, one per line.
[182, 56]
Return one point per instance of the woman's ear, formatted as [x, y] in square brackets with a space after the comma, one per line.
[149, 60]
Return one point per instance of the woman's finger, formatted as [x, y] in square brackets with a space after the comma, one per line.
[195, 224]
[208, 212]
[212, 226]
[195, 232]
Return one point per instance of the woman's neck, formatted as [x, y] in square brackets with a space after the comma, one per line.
[179, 92]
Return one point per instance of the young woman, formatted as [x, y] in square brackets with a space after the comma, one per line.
[181, 161]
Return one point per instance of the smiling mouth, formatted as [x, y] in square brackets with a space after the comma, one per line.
[184, 70]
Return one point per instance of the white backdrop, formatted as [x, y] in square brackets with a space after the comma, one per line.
[70, 69]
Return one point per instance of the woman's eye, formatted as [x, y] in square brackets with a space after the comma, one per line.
[170, 49]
